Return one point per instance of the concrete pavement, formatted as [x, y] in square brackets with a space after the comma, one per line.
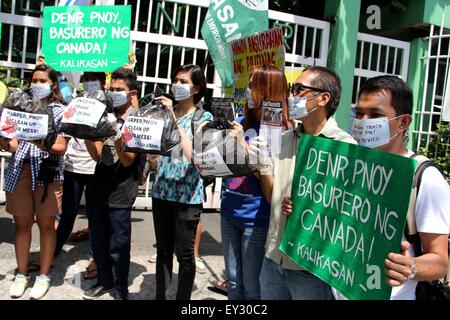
[67, 281]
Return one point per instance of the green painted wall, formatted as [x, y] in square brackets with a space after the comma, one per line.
[434, 9]
[393, 18]
[342, 50]
[417, 12]
[416, 79]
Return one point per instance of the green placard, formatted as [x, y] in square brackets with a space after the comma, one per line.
[86, 38]
[229, 20]
[349, 212]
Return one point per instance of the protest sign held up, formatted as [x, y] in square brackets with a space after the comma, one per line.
[23, 125]
[272, 124]
[226, 21]
[83, 111]
[86, 38]
[139, 132]
[261, 48]
[349, 212]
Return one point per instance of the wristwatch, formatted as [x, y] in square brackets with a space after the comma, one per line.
[413, 270]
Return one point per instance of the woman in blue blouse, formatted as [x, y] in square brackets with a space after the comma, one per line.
[245, 211]
[178, 188]
[25, 191]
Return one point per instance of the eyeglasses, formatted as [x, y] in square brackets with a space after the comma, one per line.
[297, 87]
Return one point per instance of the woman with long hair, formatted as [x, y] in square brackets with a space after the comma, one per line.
[25, 191]
[244, 210]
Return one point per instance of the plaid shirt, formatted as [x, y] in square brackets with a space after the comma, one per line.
[36, 155]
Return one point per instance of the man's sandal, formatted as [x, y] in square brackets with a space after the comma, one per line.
[220, 285]
[79, 235]
[90, 273]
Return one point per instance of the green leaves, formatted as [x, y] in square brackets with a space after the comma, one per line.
[439, 149]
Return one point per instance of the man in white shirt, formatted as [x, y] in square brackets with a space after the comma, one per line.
[315, 95]
[389, 99]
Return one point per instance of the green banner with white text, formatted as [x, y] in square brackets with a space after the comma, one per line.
[349, 212]
[86, 38]
[229, 20]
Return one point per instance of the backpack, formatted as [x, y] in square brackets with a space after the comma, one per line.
[195, 124]
[434, 290]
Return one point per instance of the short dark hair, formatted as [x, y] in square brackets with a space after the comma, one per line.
[401, 93]
[329, 81]
[101, 76]
[127, 75]
[197, 77]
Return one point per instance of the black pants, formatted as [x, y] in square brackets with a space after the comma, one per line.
[73, 187]
[111, 243]
[175, 228]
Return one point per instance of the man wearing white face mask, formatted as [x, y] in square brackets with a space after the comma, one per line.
[385, 107]
[315, 95]
[383, 115]
[113, 191]
[94, 81]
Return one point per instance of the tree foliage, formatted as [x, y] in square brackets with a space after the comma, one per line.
[439, 149]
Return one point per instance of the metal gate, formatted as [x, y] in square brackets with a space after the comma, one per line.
[429, 114]
[164, 34]
[167, 34]
[378, 56]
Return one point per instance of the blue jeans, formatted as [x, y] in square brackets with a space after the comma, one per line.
[243, 253]
[73, 187]
[111, 243]
[284, 284]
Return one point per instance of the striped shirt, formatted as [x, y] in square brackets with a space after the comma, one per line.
[27, 150]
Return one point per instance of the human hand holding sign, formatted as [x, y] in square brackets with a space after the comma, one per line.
[168, 103]
[237, 130]
[286, 206]
[400, 267]
[115, 126]
[259, 155]
[40, 144]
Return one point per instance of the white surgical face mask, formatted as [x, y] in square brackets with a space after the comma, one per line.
[248, 96]
[91, 86]
[297, 107]
[41, 91]
[119, 98]
[372, 133]
[181, 91]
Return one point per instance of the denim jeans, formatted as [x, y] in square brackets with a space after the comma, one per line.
[175, 228]
[111, 243]
[73, 187]
[243, 253]
[284, 284]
